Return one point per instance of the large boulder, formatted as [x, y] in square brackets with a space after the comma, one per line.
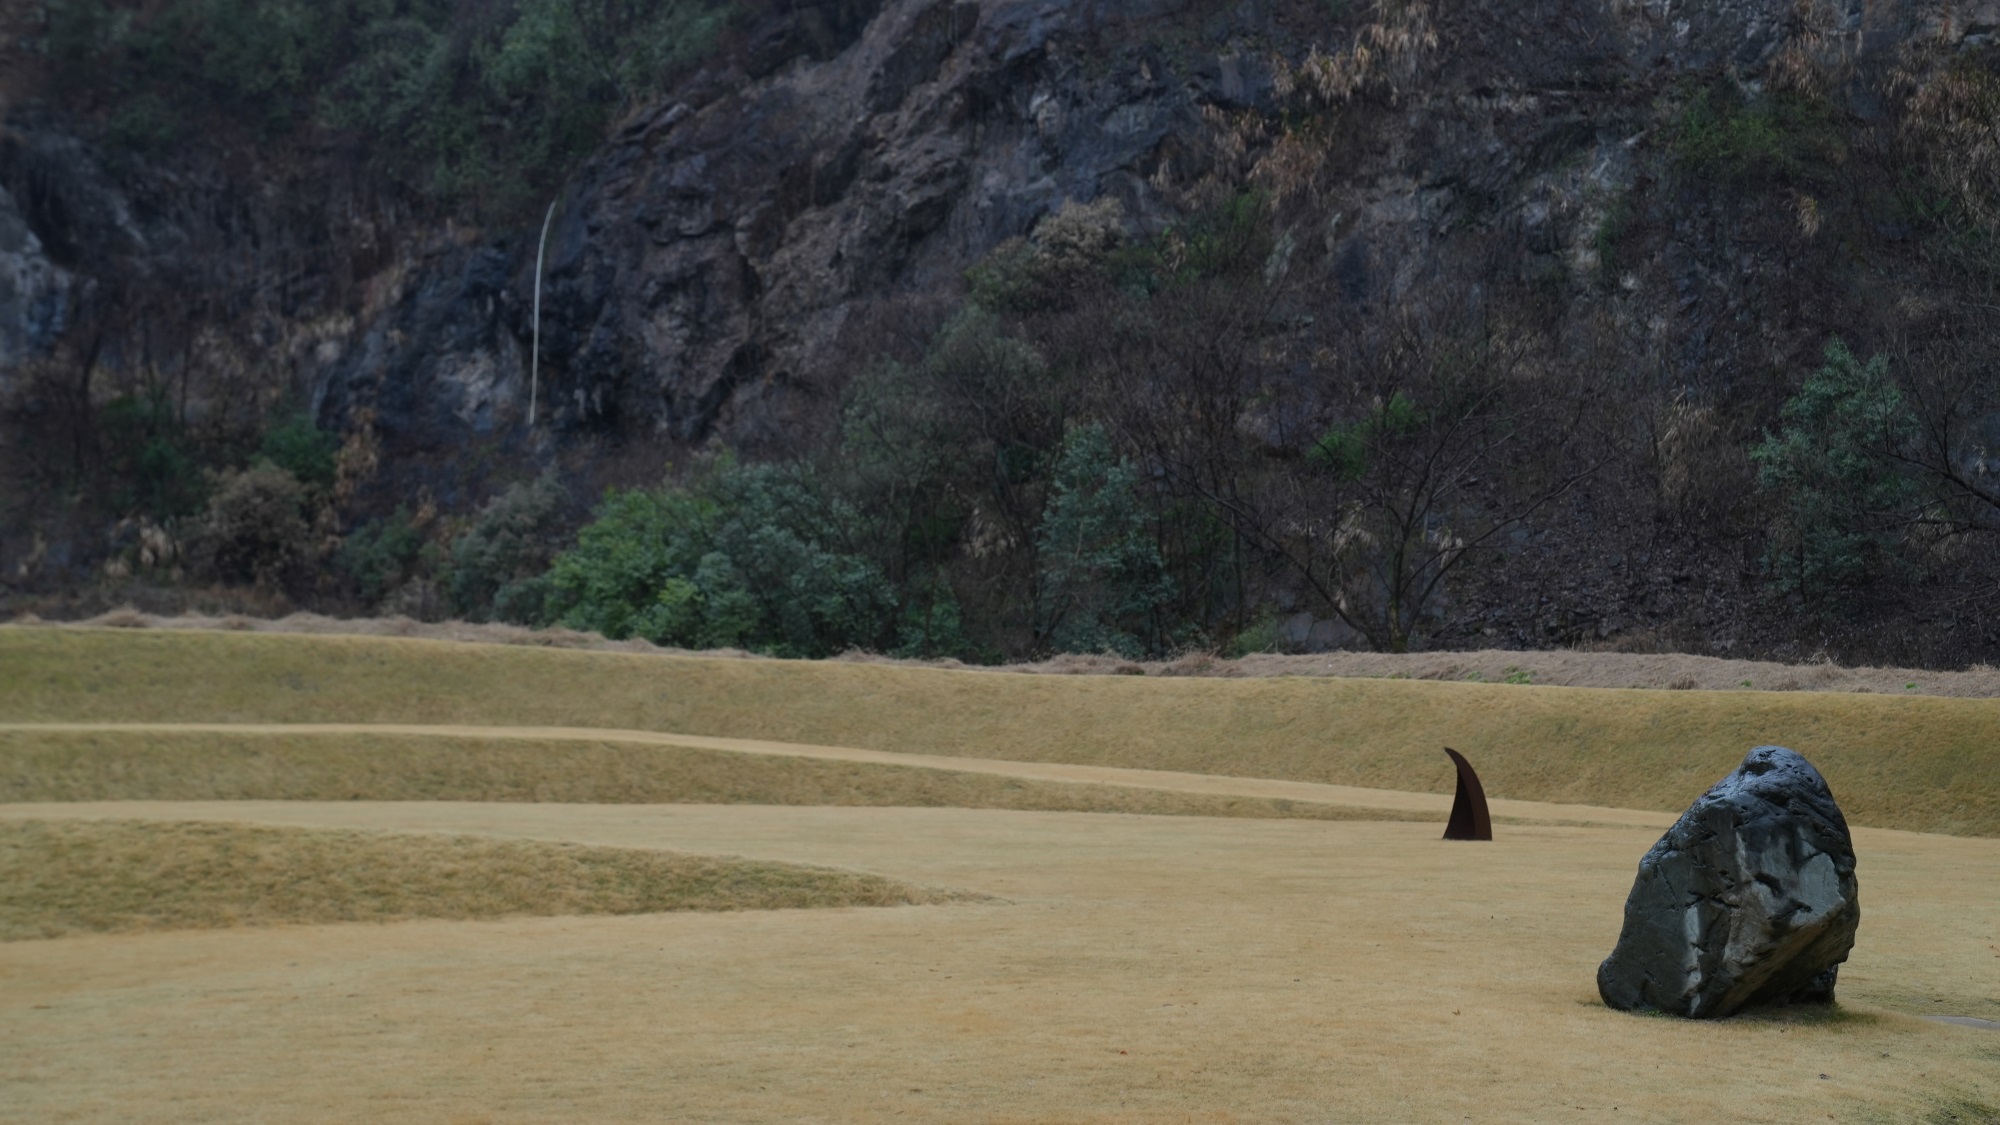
[1749, 899]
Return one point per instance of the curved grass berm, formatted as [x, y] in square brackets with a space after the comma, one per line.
[114, 876]
[1920, 764]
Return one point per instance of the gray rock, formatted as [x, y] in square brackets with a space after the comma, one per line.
[1749, 899]
[34, 293]
[1296, 629]
[1332, 635]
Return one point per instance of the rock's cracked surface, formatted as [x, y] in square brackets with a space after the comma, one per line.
[1749, 899]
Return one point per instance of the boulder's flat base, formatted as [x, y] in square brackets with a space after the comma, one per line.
[1139, 969]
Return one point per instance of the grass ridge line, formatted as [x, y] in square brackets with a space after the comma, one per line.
[42, 763]
[1921, 764]
[1169, 780]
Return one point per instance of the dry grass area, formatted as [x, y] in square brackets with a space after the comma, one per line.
[1549, 668]
[1132, 969]
[110, 876]
[1252, 966]
[1919, 763]
[153, 765]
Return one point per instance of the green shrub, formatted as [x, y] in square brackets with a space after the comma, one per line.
[256, 527]
[1780, 137]
[1261, 635]
[1066, 252]
[391, 89]
[1952, 173]
[298, 446]
[1835, 471]
[154, 467]
[930, 625]
[1101, 577]
[1611, 231]
[1345, 450]
[259, 55]
[78, 31]
[676, 36]
[496, 565]
[377, 556]
[566, 66]
[748, 556]
[1231, 239]
[147, 125]
[900, 461]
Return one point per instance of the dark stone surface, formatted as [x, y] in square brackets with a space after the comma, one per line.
[703, 265]
[34, 292]
[706, 261]
[1749, 899]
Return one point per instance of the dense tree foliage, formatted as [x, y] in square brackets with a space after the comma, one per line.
[744, 556]
[1836, 465]
[1102, 583]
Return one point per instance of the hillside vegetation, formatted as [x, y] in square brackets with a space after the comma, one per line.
[745, 324]
[1920, 764]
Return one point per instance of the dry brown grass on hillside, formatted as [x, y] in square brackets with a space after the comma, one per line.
[364, 766]
[1919, 763]
[109, 876]
[1550, 668]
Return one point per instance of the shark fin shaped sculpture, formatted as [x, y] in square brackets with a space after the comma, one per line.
[1469, 818]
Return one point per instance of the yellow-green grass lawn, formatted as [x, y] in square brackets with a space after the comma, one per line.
[152, 765]
[1052, 967]
[104, 876]
[1126, 969]
[1923, 764]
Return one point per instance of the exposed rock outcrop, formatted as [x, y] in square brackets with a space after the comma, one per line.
[34, 292]
[707, 259]
[703, 267]
[1749, 899]
[706, 262]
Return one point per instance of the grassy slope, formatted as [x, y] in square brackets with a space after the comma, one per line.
[1255, 972]
[174, 766]
[1922, 764]
[60, 878]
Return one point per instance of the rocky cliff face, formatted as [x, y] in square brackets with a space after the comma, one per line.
[702, 267]
[34, 292]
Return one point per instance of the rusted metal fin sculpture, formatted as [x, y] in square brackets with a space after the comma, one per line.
[1469, 818]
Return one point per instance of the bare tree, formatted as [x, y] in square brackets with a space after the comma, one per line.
[1437, 438]
[1451, 436]
[1178, 377]
[1947, 373]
